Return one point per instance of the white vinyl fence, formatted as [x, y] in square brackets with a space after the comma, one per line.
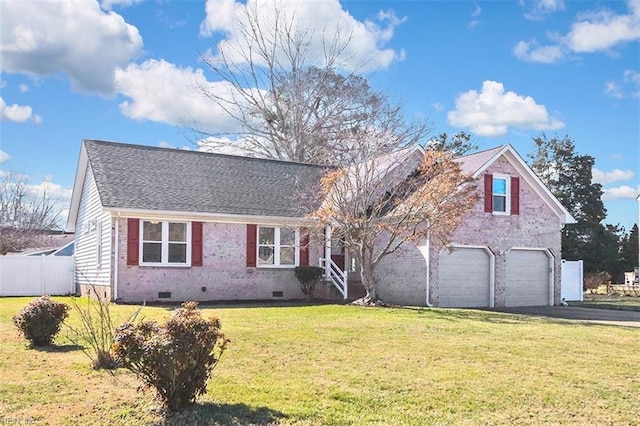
[36, 275]
[571, 280]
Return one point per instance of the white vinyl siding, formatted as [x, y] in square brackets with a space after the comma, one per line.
[90, 271]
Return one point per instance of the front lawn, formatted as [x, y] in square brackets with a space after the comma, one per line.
[605, 301]
[348, 365]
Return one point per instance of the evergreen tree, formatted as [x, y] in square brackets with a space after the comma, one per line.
[569, 177]
[629, 250]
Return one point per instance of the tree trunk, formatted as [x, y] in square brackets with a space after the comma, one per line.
[369, 282]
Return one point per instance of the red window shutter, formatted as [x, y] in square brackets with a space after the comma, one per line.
[133, 241]
[304, 247]
[515, 195]
[196, 243]
[252, 245]
[488, 193]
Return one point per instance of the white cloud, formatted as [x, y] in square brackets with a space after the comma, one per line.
[323, 20]
[59, 196]
[628, 86]
[593, 31]
[624, 191]
[475, 14]
[162, 92]
[615, 175]
[51, 189]
[73, 36]
[224, 145]
[18, 113]
[492, 111]
[477, 11]
[542, 8]
[603, 29]
[3, 156]
[23, 88]
[531, 52]
[109, 4]
[611, 88]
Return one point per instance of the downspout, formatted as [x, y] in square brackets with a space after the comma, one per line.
[327, 251]
[428, 259]
[115, 266]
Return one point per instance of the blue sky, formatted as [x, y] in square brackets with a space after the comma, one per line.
[124, 70]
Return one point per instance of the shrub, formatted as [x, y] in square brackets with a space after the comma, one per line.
[96, 330]
[176, 358]
[593, 280]
[40, 320]
[308, 277]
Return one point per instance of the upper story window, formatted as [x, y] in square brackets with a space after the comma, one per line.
[277, 246]
[501, 194]
[165, 243]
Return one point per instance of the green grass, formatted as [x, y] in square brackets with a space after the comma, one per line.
[348, 365]
[604, 301]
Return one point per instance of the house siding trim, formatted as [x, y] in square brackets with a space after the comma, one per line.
[209, 217]
[89, 272]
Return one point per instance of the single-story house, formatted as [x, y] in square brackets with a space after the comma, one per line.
[159, 224]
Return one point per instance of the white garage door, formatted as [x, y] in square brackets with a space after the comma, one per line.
[464, 278]
[528, 278]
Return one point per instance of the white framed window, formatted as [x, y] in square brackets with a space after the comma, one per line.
[501, 194]
[165, 243]
[278, 247]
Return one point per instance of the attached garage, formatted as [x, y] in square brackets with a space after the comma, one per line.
[465, 278]
[528, 280]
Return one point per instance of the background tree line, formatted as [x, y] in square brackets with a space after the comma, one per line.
[603, 247]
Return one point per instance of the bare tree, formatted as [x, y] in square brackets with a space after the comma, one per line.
[376, 206]
[290, 100]
[25, 218]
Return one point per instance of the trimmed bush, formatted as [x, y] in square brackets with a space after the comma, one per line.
[176, 358]
[40, 320]
[308, 277]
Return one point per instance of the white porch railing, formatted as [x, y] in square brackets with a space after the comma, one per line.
[337, 277]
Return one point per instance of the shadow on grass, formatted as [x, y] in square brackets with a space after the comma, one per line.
[57, 348]
[209, 413]
[478, 315]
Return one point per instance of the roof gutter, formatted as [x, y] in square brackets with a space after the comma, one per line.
[212, 217]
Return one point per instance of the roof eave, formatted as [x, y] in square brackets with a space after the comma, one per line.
[81, 170]
[207, 216]
[538, 186]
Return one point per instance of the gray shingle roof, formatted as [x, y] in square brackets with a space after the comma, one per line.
[151, 178]
[472, 162]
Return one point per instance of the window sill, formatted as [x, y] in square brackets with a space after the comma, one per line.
[164, 265]
[276, 266]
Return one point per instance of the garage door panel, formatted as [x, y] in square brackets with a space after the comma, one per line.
[464, 278]
[527, 282]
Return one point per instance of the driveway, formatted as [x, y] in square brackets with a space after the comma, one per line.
[592, 315]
